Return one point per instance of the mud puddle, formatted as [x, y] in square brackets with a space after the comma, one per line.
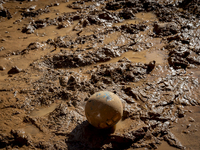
[140, 18]
[40, 112]
[145, 56]
[31, 130]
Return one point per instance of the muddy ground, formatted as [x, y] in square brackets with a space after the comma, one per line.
[55, 54]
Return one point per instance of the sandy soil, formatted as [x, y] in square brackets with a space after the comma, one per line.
[55, 54]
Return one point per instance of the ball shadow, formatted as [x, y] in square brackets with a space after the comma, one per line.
[85, 136]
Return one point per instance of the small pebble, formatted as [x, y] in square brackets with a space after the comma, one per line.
[32, 7]
[2, 68]
[3, 40]
[189, 125]
[56, 4]
[186, 132]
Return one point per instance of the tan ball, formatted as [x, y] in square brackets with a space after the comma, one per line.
[103, 109]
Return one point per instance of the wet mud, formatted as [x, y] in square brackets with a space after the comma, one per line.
[55, 54]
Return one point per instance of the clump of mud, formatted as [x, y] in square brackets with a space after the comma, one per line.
[56, 54]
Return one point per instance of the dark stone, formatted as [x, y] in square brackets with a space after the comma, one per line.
[14, 70]
[151, 66]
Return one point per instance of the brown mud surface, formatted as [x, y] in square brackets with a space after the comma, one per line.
[55, 54]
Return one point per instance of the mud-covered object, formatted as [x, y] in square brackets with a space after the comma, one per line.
[103, 109]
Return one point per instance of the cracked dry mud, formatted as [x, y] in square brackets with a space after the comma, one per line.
[55, 54]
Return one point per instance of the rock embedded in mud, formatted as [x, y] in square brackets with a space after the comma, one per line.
[14, 70]
[151, 66]
[103, 109]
